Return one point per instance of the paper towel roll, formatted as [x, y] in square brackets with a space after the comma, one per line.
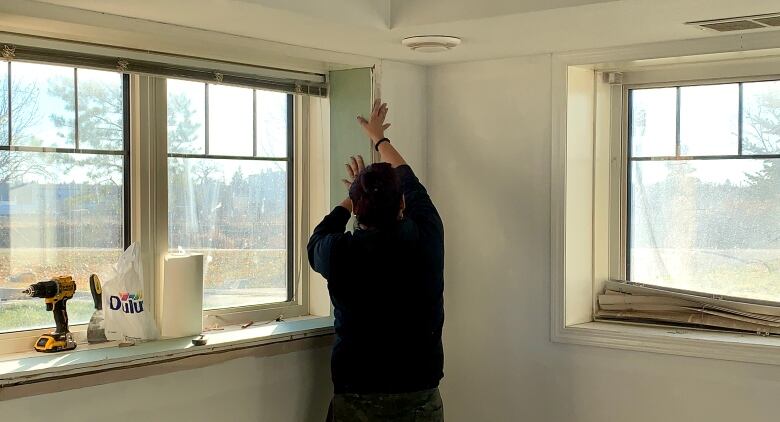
[182, 298]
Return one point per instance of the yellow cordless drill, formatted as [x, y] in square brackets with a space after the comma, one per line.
[56, 292]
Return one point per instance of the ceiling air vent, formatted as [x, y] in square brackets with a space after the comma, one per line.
[740, 23]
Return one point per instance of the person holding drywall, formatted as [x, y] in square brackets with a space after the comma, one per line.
[386, 282]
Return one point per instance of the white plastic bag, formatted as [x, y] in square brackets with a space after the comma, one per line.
[127, 315]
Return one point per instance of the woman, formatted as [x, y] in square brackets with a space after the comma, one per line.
[386, 283]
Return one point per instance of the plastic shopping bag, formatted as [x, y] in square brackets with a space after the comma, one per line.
[127, 314]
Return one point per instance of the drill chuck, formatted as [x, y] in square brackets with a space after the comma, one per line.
[43, 289]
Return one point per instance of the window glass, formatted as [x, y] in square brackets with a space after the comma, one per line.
[653, 122]
[230, 121]
[186, 117]
[761, 118]
[707, 223]
[101, 120]
[709, 117]
[234, 212]
[61, 212]
[42, 105]
[229, 205]
[271, 124]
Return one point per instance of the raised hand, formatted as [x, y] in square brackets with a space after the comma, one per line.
[354, 167]
[375, 126]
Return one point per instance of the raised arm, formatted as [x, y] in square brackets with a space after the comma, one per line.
[419, 207]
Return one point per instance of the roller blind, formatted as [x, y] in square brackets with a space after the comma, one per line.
[170, 66]
[627, 301]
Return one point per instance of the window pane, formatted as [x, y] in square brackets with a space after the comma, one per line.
[186, 117]
[101, 123]
[42, 105]
[230, 121]
[761, 124]
[708, 119]
[3, 103]
[708, 225]
[60, 214]
[271, 124]
[653, 122]
[235, 213]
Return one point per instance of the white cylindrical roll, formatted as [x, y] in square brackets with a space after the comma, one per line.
[182, 298]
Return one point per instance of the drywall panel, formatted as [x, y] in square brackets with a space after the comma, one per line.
[350, 96]
[403, 87]
[286, 387]
[489, 174]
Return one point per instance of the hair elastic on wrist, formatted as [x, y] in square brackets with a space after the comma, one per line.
[376, 147]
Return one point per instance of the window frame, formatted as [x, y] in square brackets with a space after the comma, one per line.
[581, 255]
[620, 220]
[297, 303]
[146, 212]
[12, 341]
[289, 159]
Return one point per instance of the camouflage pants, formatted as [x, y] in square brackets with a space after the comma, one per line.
[421, 406]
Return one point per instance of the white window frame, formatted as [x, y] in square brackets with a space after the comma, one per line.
[588, 186]
[152, 96]
[149, 214]
[618, 214]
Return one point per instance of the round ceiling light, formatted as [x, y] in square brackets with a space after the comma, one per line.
[431, 43]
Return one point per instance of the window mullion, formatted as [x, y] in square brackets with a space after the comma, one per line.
[76, 107]
[206, 123]
[740, 119]
[677, 126]
[127, 169]
[291, 193]
[10, 127]
[254, 123]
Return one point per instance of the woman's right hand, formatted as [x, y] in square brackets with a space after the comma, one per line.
[375, 125]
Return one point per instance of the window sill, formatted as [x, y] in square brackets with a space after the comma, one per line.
[32, 367]
[682, 341]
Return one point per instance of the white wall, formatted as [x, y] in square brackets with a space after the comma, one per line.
[489, 174]
[403, 88]
[286, 387]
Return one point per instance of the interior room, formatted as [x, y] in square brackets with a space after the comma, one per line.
[605, 176]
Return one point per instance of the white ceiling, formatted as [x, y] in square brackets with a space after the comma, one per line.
[489, 28]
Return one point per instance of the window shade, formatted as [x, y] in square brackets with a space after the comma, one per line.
[627, 301]
[172, 66]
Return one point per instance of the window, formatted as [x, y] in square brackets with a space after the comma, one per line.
[703, 182]
[229, 189]
[64, 183]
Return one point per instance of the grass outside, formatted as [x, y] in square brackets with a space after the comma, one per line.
[19, 315]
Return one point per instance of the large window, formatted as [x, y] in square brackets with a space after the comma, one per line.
[64, 183]
[229, 189]
[704, 188]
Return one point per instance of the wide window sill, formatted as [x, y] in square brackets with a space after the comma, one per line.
[682, 341]
[31, 366]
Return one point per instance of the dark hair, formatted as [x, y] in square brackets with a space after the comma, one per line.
[376, 196]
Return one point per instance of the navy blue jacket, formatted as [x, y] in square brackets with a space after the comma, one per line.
[387, 289]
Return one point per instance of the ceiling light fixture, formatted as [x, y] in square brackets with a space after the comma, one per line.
[431, 43]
